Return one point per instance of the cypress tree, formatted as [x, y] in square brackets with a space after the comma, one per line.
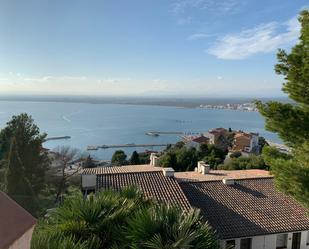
[134, 160]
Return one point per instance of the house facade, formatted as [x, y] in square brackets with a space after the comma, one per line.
[243, 206]
[246, 142]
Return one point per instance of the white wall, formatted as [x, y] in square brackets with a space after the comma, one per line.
[24, 241]
[269, 241]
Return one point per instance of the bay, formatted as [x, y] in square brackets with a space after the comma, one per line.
[97, 124]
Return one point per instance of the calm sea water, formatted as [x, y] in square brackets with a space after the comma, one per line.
[97, 124]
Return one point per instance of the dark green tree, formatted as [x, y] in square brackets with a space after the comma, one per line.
[291, 121]
[134, 160]
[168, 160]
[21, 136]
[119, 158]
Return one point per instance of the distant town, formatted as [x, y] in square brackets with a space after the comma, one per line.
[249, 107]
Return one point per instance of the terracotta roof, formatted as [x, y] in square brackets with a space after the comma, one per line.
[220, 174]
[121, 169]
[248, 208]
[154, 185]
[201, 139]
[14, 221]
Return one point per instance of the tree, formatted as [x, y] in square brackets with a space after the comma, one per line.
[186, 159]
[168, 160]
[291, 121]
[23, 160]
[134, 160]
[161, 226]
[119, 158]
[122, 220]
[215, 156]
[89, 163]
[65, 157]
[243, 162]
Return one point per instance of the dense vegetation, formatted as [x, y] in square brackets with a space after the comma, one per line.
[291, 121]
[182, 158]
[23, 162]
[244, 162]
[119, 158]
[121, 220]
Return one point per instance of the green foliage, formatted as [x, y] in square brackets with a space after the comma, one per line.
[134, 160]
[214, 156]
[235, 154]
[243, 162]
[162, 226]
[144, 158]
[169, 159]
[121, 220]
[23, 162]
[181, 158]
[119, 158]
[291, 121]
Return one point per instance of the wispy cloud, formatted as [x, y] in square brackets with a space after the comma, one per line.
[199, 36]
[182, 6]
[261, 39]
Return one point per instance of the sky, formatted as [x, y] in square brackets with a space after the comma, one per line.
[210, 48]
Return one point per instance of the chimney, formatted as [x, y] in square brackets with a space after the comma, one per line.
[168, 172]
[154, 159]
[228, 181]
[203, 168]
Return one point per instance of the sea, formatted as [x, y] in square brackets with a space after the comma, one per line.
[109, 124]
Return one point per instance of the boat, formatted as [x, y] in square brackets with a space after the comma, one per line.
[152, 134]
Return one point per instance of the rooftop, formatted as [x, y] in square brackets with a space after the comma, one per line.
[121, 169]
[15, 221]
[149, 180]
[217, 175]
[248, 208]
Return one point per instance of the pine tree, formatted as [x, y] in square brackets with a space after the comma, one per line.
[28, 143]
[291, 121]
[18, 186]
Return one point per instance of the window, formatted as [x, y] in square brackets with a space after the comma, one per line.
[282, 240]
[245, 243]
[230, 244]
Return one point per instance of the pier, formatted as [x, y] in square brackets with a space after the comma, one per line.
[96, 147]
[57, 138]
[158, 133]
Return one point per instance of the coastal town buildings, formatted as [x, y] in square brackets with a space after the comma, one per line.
[216, 135]
[195, 141]
[246, 142]
[16, 225]
[242, 206]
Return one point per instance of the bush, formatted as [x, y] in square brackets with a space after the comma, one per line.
[235, 154]
[251, 162]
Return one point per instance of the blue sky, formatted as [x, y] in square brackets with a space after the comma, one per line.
[145, 47]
